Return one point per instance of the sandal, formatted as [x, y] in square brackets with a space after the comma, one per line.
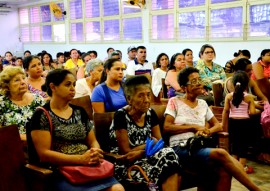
[248, 169]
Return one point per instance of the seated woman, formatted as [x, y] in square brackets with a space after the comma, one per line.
[209, 71]
[188, 53]
[82, 70]
[186, 117]
[34, 70]
[132, 125]
[17, 105]
[86, 85]
[245, 65]
[229, 66]
[261, 72]
[72, 141]
[177, 63]
[109, 94]
[47, 63]
[159, 73]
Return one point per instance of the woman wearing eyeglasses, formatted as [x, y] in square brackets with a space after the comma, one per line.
[186, 117]
[209, 71]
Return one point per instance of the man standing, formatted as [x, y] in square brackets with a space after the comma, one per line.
[140, 65]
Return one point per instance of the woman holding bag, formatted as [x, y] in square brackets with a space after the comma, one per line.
[72, 141]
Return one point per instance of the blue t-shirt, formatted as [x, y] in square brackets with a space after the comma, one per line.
[117, 97]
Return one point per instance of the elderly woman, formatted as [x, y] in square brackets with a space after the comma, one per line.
[72, 140]
[34, 69]
[109, 94]
[186, 117]
[177, 63]
[132, 125]
[85, 86]
[16, 103]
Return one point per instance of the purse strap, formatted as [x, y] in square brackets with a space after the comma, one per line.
[49, 119]
[141, 171]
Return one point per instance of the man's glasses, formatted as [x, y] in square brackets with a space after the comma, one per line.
[210, 52]
[195, 82]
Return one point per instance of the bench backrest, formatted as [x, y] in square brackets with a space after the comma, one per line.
[84, 102]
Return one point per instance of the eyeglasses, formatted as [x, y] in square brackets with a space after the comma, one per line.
[210, 52]
[195, 82]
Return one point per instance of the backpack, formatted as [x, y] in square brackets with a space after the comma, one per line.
[265, 120]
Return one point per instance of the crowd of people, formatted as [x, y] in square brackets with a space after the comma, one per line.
[127, 88]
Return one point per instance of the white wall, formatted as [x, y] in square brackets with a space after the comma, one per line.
[224, 50]
[9, 33]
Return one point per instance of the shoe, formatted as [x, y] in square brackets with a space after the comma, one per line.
[248, 169]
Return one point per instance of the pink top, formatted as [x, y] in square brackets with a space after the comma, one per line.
[266, 71]
[240, 112]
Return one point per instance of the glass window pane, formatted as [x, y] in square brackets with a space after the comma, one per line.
[35, 34]
[226, 23]
[162, 4]
[24, 18]
[190, 3]
[45, 13]
[192, 25]
[132, 28]
[75, 9]
[111, 30]
[76, 32]
[61, 5]
[59, 33]
[47, 33]
[25, 37]
[110, 7]
[34, 15]
[93, 31]
[259, 20]
[92, 8]
[222, 1]
[127, 8]
[164, 22]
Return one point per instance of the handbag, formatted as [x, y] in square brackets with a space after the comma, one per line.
[83, 174]
[198, 142]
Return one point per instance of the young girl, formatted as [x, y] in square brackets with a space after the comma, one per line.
[239, 105]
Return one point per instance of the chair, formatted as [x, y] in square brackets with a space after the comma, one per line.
[84, 102]
[164, 89]
[217, 88]
[14, 172]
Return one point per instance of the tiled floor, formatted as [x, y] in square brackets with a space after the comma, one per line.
[261, 177]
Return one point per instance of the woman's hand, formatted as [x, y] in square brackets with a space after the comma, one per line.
[133, 155]
[92, 157]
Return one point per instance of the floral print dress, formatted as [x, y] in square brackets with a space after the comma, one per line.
[10, 113]
[159, 166]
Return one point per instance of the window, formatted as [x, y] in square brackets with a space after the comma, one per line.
[92, 8]
[75, 9]
[163, 27]
[259, 20]
[59, 33]
[93, 31]
[130, 9]
[35, 33]
[189, 3]
[110, 7]
[226, 23]
[61, 5]
[25, 37]
[45, 13]
[34, 15]
[111, 30]
[24, 19]
[132, 28]
[222, 1]
[46, 33]
[162, 4]
[76, 32]
[192, 25]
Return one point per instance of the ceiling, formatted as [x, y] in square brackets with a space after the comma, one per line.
[7, 6]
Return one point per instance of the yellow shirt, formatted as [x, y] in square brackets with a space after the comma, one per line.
[69, 64]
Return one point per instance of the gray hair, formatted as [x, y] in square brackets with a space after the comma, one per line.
[92, 64]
